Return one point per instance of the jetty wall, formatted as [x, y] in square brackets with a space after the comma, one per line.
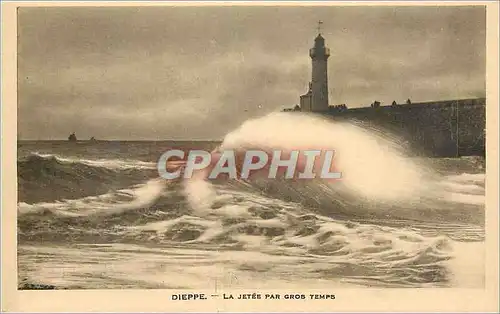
[439, 129]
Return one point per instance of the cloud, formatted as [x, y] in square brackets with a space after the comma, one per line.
[196, 73]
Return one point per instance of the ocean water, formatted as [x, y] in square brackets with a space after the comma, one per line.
[95, 215]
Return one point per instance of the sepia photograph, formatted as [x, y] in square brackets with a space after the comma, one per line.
[233, 149]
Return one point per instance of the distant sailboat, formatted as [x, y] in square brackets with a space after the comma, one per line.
[92, 139]
[72, 137]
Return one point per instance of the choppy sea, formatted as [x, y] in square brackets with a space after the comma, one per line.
[96, 215]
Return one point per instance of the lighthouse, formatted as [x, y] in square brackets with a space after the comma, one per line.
[319, 82]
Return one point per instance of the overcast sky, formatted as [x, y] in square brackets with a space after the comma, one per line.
[197, 73]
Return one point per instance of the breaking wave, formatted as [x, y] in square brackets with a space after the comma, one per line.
[49, 177]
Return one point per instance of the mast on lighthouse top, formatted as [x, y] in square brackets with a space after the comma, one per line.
[320, 22]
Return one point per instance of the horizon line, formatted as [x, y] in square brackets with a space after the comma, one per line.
[122, 140]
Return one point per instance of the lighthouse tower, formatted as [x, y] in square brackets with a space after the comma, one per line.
[319, 85]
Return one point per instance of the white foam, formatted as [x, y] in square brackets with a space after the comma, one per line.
[468, 177]
[466, 198]
[103, 163]
[468, 188]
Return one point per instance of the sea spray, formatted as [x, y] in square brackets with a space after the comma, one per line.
[200, 195]
[371, 165]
